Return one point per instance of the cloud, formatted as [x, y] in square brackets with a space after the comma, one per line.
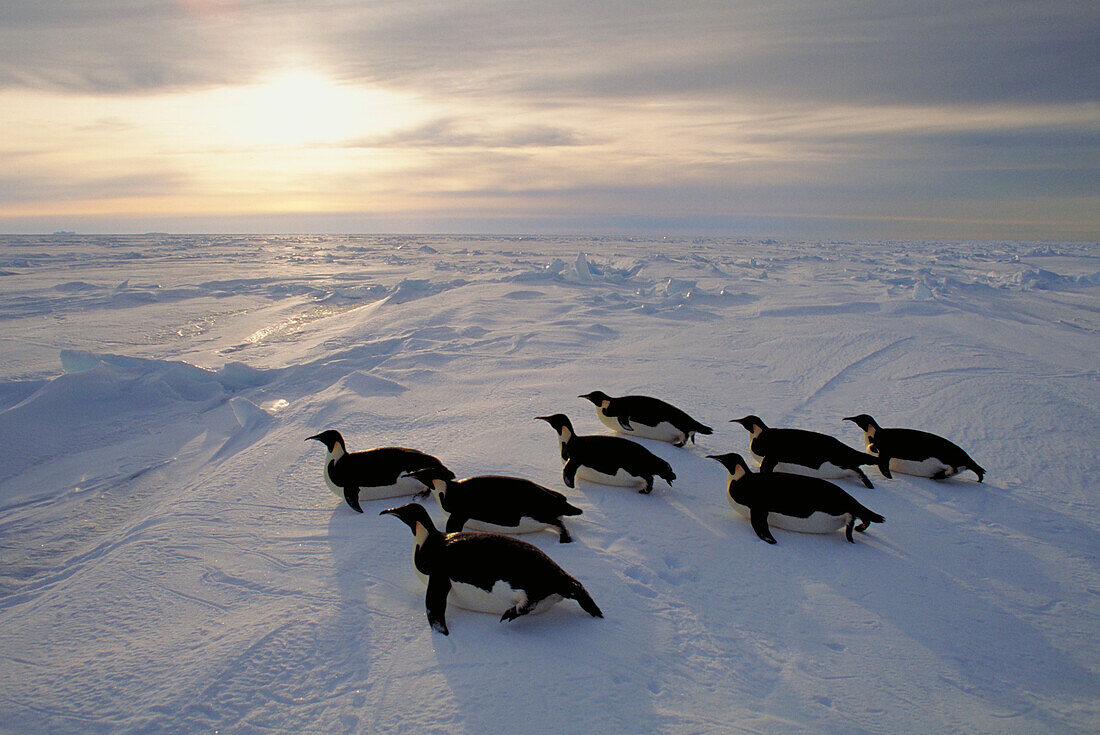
[21, 189]
[452, 133]
[885, 52]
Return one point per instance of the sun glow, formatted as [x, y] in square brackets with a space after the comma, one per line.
[297, 108]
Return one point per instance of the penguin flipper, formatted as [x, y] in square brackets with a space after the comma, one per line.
[455, 522]
[759, 520]
[563, 533]
[884, 466]
[625, 423]
[569, 473]
[351, 494]
[768, 465]
[439, 586]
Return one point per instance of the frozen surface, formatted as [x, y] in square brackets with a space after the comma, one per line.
[171, 560]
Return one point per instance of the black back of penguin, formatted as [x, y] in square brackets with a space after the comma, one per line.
[608, 453]
[802, 447]
[481, 559]
[381, 466]
[647, 410]
[798, 496]
[504, 500]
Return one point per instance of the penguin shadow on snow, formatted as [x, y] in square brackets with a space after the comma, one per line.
[555, 661]
[932, 582]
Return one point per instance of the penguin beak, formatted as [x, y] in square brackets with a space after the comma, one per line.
[543, 418]
[850, 418]
[388, 512]
[315, 436]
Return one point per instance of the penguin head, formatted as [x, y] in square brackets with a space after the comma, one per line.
[561, 424]
[433, 478]
[412, 515]
[753, 424]
[864, 422]
[329, 438]
[734, 464]
[597, 397]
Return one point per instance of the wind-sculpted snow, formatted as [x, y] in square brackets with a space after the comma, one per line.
[171, 560]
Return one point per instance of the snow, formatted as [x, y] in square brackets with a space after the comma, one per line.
[170, 558]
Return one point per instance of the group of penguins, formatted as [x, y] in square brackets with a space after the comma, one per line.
[475, 565]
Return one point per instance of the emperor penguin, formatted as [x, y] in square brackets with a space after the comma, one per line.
[487, 572]
[372, 474]
[914, 452]
[497, 503]
[647, 417]
[608, 460]
[794, 502]
[804, 452]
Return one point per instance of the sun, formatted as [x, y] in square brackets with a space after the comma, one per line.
[298, 108]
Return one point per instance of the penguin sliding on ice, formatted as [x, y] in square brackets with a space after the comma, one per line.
[647, 417]
[497, 503]
[487, 572]
[804, 452]
[794, 502]
[608, 460]
[914, 452]
[373, 474]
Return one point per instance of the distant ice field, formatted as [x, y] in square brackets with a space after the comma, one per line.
[171, 560]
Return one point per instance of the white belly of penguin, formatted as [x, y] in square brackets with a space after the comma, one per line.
[827, 470]
[621, 478]
[405, 485]
[496, 601]
[526, 525]
[817, 522]
[663, 431]
[921, 468]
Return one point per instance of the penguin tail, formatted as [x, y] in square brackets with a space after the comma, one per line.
[977, 469]
[701, 429]
[580, 594]
[571, 510]
[868, 517]
[666, 473]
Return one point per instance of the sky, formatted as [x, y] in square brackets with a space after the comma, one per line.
[843, 119]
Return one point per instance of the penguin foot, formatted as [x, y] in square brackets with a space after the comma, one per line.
[516, 610]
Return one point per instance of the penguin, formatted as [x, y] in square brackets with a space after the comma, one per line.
[647, 417]
[373, 474]
[794, 502]
[487, 572]
[805, 452]
[497, 503]
[914, 452]
[608, 460]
